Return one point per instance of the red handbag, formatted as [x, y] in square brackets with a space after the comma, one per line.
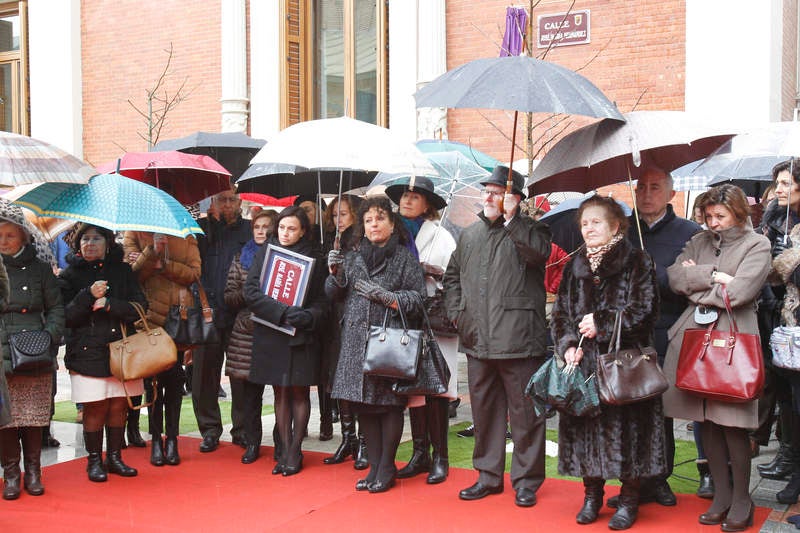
[721, 365]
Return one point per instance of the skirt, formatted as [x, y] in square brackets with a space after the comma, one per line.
[30, 398]
[87, 389]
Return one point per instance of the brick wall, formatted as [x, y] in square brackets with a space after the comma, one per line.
[636, 57]
[124, 52]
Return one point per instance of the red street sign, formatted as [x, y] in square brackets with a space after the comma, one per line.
[563, 29]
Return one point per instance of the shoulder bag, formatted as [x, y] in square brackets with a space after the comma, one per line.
[721, 365]
[30, 351]
[191, 322]
[433, 374]
[143, 354]
[628, 375]
[393, 352]
[785, 345]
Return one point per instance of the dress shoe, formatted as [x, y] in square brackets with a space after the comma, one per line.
[277, 470]
[478, 491]
[730, 525]
[381, 486]
[525, 497]
[156, 451]
[363, 484]
[239, 441]
[452, 408]
[209, 444]
[292, 469]
[467, 432]
[790, 493]
[171, 456]
[661, 494]
[221, 393]
[712, 519]
[251, 453]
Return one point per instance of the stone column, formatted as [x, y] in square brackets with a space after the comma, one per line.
[234, 67]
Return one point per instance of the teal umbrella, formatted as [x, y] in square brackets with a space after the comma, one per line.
[442, 145]
[114, 202]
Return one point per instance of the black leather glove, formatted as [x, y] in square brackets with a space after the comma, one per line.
[298, 317]
[374, 292]
[780, 246]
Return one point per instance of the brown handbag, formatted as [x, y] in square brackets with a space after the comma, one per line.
[141, 355]
[628, 375]
[721, 365]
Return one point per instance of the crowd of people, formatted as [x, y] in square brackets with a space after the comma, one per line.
[378, 260]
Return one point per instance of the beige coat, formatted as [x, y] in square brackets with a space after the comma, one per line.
[745, 255]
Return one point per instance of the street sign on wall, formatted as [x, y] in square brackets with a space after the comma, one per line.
[563, 29]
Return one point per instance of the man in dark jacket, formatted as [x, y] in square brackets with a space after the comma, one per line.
[494, 292]
[224, 238]
[664, 235]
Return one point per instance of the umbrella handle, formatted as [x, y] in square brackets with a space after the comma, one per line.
[510, 180]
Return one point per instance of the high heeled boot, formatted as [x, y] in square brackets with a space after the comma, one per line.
[628, 505]
[349, 445]
[32, 453]
[93, 441]
[114, 439]
[172, 416]
[592, 500]
[9, 444]
[132, 425]
[156, 450]
[325, 415]
[361, 457]
[420, 458]
[437, 412]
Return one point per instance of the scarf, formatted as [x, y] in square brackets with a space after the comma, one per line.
[375, 256]
[413, 225]
[595, 253]
[248, 254]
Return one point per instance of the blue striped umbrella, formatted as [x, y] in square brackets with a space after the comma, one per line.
[114, 202]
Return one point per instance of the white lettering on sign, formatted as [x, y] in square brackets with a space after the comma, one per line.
[287, 289]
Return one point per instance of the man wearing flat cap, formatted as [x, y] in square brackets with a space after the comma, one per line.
[495, 295]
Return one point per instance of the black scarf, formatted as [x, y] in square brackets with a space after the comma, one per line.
[375, 256]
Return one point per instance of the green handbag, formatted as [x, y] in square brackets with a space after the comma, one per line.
[570, 393]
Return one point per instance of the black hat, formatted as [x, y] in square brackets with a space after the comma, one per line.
[420, 184]
[500, 177]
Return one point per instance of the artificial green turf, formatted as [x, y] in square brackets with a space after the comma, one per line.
[66, 412]
[683, 480]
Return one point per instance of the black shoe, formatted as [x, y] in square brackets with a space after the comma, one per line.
[48, 440]
[452, 408]
[209, 444]
[362, 484]
[381, 486]
[791, 491]
[508, 434]
[134, 437]
[525, 497]
[468, 431]
[252, 452]
[478, 491]
[292, 470]
[623, 518]
[663, 495]
[277, 469]
[171, 451]
[221, 393]
[239, 441]
[156, 451]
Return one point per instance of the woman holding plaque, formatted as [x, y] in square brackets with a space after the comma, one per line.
[286, 350]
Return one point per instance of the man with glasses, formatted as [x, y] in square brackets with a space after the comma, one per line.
[226, 232]
[495, 295]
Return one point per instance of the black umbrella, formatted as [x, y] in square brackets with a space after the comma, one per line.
[563, 222]
[289, 180]
[233, 150]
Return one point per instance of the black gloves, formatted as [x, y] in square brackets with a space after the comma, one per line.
[376, 293]
[298, 317]
[780, 246]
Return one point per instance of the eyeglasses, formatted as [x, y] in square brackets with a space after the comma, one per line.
[487, 192]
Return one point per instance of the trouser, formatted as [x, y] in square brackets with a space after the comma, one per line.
[237, 408]
[497, 387]
[206, 374]
[252, 400]
[777, 392]
[168, 388]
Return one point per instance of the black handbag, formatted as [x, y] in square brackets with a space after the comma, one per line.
[30, 351]
[433, 374]
[393, 352]
[191, 323]
[437, 315]
[628, 375]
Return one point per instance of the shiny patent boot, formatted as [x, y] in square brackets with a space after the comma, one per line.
[93, 440]
[9, 444]
[420, 459]
[361, 457]
[157, 450]
[592, 500]
[172, 415]
[114, 439]
[437, 412]
[32, 453]
[349, 445]
[628, 506]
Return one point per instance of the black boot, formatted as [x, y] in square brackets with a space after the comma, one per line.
[706, 488]
[48, 440]
[277, 451]
[172, 417]
[9, 445]
[157, 450]
[132, 426]
[361, 457]
[325, 415]
[628, 505]
[791, 491]
[437, 411]
[349, 445]
[780, 467]
[32, 452]
[420, 460]
[93, 440]
[592, 500]
[114, 439]
[171, 451]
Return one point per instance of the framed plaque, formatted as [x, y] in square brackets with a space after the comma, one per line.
[285, 277]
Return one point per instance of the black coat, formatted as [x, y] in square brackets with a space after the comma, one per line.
[278, 358]
[623, 441]
[90, 331]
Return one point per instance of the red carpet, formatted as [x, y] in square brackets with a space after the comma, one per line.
[215, 492]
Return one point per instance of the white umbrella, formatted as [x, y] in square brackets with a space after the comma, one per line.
[25, 160]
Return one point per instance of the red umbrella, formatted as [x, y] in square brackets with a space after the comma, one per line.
[267, 200]
[187, 177]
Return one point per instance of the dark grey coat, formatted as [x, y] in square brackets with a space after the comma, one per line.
[401, 274]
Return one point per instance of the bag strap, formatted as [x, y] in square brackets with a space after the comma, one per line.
[140, 311]
[208, 316]
[725, 298]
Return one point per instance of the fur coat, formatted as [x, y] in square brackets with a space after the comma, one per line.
[622, 442]
[745, 255]
[785, 272]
